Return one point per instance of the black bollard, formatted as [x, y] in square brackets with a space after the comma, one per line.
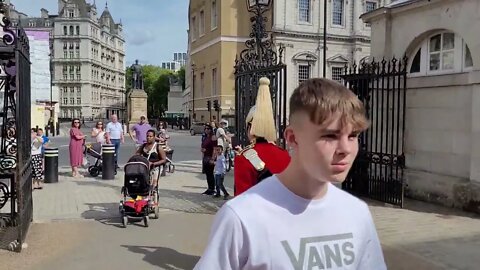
[108, 162]
[51, 165]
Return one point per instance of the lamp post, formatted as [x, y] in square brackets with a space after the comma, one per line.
[193, 93]
[259, 7]
[324, 38]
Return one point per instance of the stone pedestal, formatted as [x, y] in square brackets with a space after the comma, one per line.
[137, 105]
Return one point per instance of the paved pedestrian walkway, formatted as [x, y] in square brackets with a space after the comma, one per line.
[421, 236]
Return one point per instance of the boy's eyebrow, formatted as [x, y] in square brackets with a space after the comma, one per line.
[336, 131]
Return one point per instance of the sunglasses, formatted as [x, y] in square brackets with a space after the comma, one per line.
[76, 122]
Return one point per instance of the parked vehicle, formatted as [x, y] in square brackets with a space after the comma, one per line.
[197, 128]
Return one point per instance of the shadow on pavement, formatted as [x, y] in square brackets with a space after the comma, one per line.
[194, 187]
[105, 213]
[423, 207]
[165, 258]
[100, 183]
[189, 202]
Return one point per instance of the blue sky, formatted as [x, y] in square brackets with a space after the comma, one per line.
[153, 29]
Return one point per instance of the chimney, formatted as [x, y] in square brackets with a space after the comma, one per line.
[44, 13]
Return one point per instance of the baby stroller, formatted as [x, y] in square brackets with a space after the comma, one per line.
[143, 197]
[169, 165]
[95, 150]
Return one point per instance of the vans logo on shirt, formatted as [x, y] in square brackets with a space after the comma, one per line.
[322, 252]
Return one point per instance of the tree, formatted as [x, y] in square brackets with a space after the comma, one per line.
[181, 76]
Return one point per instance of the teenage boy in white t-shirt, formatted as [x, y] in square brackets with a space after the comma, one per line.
[298, 219]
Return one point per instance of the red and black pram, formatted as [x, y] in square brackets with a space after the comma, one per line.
[140, 198]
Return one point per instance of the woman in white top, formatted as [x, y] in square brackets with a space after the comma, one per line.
[98, 132]
[37, 160]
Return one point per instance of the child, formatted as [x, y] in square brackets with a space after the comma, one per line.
[219, 172]
[298, 219]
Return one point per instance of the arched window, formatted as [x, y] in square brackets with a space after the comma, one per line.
[71, 30]
[441, 53]
[65, 32]
[78, 30]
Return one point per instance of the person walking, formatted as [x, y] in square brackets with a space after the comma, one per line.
[77, 140]
[208, 163]
[98, 132]
[299, 219]
[138, 132]
[37, 160]
[115, 135]
[155, 154]
[262, 157]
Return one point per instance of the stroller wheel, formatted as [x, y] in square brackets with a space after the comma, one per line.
[94, 171]
[124, 221]
[145, 221]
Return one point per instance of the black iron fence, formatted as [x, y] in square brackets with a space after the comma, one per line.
[246, 88]
[15, 170]
[378, 169]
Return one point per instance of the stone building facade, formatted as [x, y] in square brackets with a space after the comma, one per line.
[88, 58]
[442, 148]
[298, 27]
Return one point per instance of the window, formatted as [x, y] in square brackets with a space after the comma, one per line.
[47, 23]
[337, 72]
[202, 23]
[65, 54]
[78, 30]
[71, 13]
[303, 73]
[65, 32]
[71, 30]
[416, 62]
[202, 84]
[194, 28]
[72, 101]
[468, 57]
[304, 10]
[214, 15]
[337, 13]
[370, 6]
[31, 24]
[214, 82]
[65, 101]
[79, 101]
[441, 53]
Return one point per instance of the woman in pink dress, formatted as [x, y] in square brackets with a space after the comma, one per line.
[76, 147]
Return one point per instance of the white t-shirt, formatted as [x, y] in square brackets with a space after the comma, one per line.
[115, 130]
[269, 227]
[221, 137]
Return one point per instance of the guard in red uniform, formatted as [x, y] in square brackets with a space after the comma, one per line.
[262, 157]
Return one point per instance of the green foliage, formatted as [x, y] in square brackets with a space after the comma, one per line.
[181, 76]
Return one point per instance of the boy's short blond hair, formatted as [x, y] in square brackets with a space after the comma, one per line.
[321, 99]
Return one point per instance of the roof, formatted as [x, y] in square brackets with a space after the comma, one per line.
[400, 3]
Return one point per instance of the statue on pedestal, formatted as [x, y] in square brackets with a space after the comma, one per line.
[137, 76]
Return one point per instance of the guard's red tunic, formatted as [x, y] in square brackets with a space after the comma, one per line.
[275, 158]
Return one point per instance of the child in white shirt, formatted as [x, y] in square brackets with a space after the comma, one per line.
[219, 172]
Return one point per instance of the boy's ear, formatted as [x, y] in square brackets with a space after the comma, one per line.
[290, 137]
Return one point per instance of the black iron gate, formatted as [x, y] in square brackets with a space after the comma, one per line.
[259, 60]
[378, 169]
[15, 170]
